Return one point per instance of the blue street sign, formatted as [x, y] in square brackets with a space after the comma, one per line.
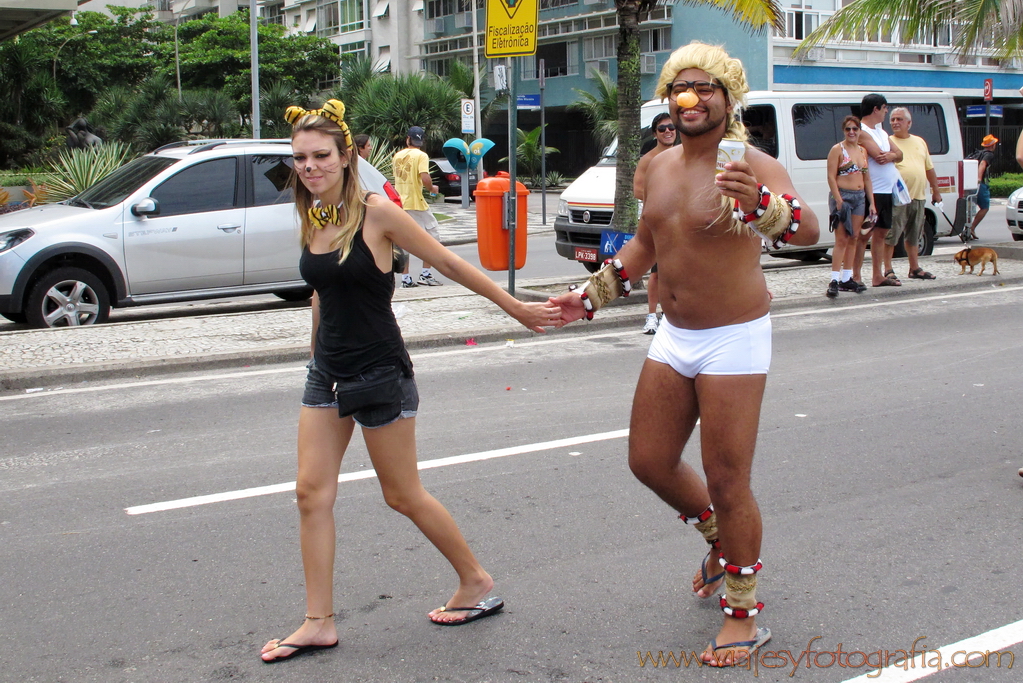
[975, 110]
[612, 241]
[528, 101]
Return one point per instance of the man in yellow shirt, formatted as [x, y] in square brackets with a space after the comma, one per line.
[411, 174]
[918, 171]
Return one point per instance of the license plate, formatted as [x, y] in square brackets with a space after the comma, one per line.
[584, 254]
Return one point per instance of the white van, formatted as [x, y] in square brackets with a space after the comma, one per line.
[798, 128]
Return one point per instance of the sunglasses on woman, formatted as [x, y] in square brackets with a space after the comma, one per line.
[703, 89]
[852, 130]
[665, 128]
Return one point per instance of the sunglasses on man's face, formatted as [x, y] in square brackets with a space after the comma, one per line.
[703, 89]
[665, 128]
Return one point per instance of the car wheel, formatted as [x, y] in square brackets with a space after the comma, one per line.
[67, 297]
[295, 294]
[14, 317]
[1016, 237]
[812, 256]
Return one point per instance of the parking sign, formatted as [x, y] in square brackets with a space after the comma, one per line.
[468, 116]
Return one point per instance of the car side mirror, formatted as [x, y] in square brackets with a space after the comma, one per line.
[147, 207]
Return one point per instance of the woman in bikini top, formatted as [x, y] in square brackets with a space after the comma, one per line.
[851, 197]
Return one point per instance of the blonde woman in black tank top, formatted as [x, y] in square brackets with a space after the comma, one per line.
[347, 257]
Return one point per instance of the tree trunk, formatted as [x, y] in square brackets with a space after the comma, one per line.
[626, 214]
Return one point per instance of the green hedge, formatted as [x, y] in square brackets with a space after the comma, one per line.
[1005, 184]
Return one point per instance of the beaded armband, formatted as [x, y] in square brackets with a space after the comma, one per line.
[776, 218]
[607, 284]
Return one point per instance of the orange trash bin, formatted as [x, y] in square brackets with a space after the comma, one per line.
[491, 237]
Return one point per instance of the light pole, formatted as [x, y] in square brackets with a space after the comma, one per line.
[57, 54]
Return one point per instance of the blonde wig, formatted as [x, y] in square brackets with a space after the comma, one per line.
[726, 70]
[353, 204]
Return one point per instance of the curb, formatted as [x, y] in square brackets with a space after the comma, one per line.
[165, 365]
[631, 312]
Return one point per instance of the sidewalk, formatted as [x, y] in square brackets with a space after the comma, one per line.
[429, 317]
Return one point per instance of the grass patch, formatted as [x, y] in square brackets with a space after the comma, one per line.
[21, 178]
[442, 216]
[1005, 184]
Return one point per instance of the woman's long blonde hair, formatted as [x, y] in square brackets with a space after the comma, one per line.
[353, 200]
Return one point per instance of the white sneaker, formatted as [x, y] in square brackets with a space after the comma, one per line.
[650, 326]
[429, 280]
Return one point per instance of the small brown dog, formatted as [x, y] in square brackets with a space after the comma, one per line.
[971, 257]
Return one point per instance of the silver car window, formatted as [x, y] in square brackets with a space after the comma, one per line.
[207, 186]
[118, 185]
[271, 174]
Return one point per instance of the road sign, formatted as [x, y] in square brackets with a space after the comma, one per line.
[977, 110]
[511, 27]
[527, 101]
[989, 89]
[469, 116]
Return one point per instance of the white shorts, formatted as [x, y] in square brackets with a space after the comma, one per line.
[427, 221]
[743, 349]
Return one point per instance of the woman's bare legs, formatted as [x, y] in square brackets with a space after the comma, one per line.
[322, 440]
[393, 451]
[845, 247]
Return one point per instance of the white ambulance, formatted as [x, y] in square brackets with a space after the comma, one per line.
[798, 128]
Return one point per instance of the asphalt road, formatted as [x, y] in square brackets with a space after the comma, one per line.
[886, 474]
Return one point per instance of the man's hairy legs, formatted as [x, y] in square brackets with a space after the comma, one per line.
[665, 410]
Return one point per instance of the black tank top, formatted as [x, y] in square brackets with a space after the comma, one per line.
[357, 330]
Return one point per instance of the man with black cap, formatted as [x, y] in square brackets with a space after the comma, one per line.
[411, 174]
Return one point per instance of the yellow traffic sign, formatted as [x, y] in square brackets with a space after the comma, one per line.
[511, 27]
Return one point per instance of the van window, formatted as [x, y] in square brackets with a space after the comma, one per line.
[818, 127]
[761, 121]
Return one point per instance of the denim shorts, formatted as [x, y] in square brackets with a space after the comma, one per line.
[983, 196]
[319, 393]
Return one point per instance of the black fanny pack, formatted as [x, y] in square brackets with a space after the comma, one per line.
[378, 389]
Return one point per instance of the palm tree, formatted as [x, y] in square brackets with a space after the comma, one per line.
[600, 110]
[757, 14]
[529, 152]
[997, 24]
[403, 101]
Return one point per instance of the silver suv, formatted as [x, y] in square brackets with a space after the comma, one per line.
[193, 220]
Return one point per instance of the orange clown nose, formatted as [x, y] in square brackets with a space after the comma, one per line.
[687, 99]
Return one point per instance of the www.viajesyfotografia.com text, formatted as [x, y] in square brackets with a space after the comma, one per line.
[916, 657]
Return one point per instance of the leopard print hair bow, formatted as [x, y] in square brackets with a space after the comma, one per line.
[320, 216]
[333, 110]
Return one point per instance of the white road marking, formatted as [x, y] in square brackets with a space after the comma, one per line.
[896, 302]
[369, 474]
[478, 349]
[979, 646]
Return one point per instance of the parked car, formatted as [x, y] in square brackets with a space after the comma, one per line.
[1014, 214]
[448, 181]
[798, 128]
[193, 220]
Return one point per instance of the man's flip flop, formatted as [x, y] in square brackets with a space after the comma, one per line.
[921, 274]
[703, 574]
[889, 282]
[740, 658]
[484, 608]
[299, 650]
